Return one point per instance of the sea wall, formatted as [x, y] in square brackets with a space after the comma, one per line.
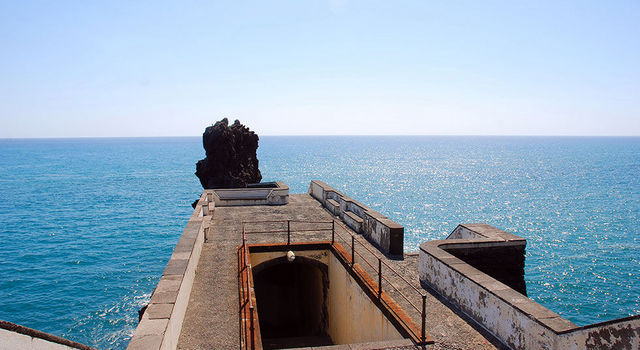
[516, 320]
[386, 234]
[161, 323]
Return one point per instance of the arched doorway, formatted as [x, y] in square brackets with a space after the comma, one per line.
[291, 300]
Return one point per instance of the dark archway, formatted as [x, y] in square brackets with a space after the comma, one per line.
[292, 302]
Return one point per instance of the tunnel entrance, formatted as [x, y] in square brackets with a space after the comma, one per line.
[292, 303]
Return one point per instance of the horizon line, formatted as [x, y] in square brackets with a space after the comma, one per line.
[320, 135]
[345, 135]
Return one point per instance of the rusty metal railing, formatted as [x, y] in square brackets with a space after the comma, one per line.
[246, 307]
[338, 232]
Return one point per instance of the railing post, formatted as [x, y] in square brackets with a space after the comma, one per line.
[288, 232]
[253, 344]
[424, 317]
[379, 278]
[333, 231]
[353, 250]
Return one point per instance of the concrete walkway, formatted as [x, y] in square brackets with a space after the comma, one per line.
[211, 321]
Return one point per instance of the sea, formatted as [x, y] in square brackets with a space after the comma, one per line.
[87, 225]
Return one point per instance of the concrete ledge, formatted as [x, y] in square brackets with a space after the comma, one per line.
[333, 206]
[161, 323]
[273, 194]
[516, 320]
[13, 336]
[378, 345]
[354, 221]
[385, 234]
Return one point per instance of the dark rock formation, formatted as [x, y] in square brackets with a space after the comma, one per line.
[231, 159]
[141, 312]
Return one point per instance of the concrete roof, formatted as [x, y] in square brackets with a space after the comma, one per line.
[211, 320]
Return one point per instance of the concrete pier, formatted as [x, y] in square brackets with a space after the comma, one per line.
[211, 316]
[457, 288]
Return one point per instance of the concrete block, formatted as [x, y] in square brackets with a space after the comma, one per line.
[466, 269]
[191, 230]
[148, 342]
[151, 327]
[180, 255]
[495, 286]
[185, 245]
[164, 297]
[157, 311]
[169, 283]
[511, 296]
[176, 267]
[535, 310]
[558, 324]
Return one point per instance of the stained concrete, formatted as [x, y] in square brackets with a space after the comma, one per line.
[211, 320]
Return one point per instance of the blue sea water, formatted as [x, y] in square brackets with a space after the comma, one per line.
[87, 225]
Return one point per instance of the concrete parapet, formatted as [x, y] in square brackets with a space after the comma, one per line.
[516, 320]
[497, 253]
[161, 323]
[276, 193]
[377, 228]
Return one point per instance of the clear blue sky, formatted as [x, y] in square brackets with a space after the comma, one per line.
[157, 68]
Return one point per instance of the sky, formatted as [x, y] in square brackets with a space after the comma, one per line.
[339, 67]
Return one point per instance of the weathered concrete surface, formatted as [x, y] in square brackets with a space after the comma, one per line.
[502, 262]
[353, 317]
[16, 337]
[518, 321]
[385, 233]
[276, 194]
[211, 320]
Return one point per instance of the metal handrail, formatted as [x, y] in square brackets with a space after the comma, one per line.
[354, 253]
[381, 277]
[246, 303]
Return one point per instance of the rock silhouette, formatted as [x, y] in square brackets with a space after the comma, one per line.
[231, 160]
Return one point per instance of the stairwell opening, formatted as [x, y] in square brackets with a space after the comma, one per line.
[292, 303]
[315, 299]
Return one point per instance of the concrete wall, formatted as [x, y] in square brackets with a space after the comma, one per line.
[277, 195]
[258, 258]
[503, 261]
[377, 228]
[353, 317]
[518, 321]
[16, 337]
[161, 323]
